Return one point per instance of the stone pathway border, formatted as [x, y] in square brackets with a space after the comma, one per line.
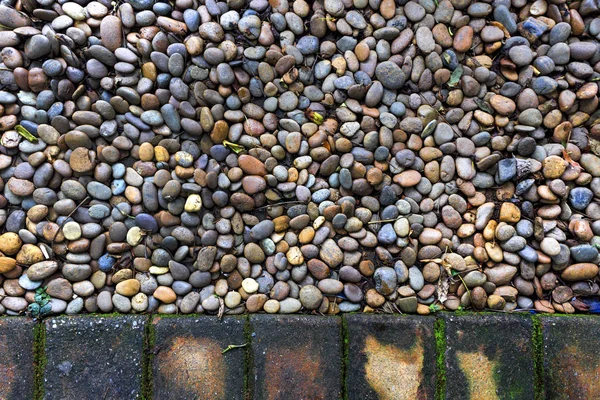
[356, 356]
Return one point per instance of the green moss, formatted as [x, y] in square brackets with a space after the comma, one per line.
[345, 357]
[147, 359]
[39, 359]
[537, 340]
[248, 360]
[440, 358]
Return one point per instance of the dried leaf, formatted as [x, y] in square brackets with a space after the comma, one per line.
[429, 128]
[484, 106]
[568, 159]
[447, 58]
[314, 116]
[455, 77]
[595, 146]
[236, 148]
[25, 133]
[221, 308]
[443, 287]
[435, 260]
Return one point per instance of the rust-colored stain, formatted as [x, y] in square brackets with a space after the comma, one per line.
[576, 374]
[294, 373]
[194, 366]
[479, 371]
[7, 368]
[394, 373]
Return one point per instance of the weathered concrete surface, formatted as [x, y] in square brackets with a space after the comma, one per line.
[189, 361]
[489, 357]
[94, 357]
[296, 357]
[390, 357]
[16, 358]
[571, 357]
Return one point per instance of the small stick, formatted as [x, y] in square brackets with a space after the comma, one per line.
[233, 346]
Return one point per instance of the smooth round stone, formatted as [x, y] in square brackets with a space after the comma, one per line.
[310, 297]
[385, 280]
[584, 253]
[390, 75]
[550, 246]
[106, 262]
[28, 284]
[72, 231]
[544, 85]
[387, 234]
[289, 306]
[146, 222]
[346, 307]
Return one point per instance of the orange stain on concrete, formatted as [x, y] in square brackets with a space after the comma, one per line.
[294, 374]
[479, 371]
[194, 365]
[578, 374]
[394, 373]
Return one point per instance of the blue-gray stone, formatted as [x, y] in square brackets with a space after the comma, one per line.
[118, 187]
[510, 89]
[387, 196]
[507, 170]
[308, 44]
[141, 4]
[528, 254]
[584, 253]
[390, 212]
[386, 234]
[385, 280]
[415, 278]
[544, 85]
[146, 222]
[514, 244]
[106, 262]
[502, 15]
[99, 211]
[346, 306]
[28, 284]
[524, 228]
[580, 197]
[321, 195]
[191, 19]
[99, 190]
[524, 186]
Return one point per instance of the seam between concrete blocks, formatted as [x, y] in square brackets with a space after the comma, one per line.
[147, 359]
[345, 347]
[39, 359]
[248, 361]
[440, 358]
[537, 340]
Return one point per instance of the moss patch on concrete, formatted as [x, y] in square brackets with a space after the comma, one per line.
[537, 341]
[147, 359]
[345, 354]
[40, 360]
[440, 358]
